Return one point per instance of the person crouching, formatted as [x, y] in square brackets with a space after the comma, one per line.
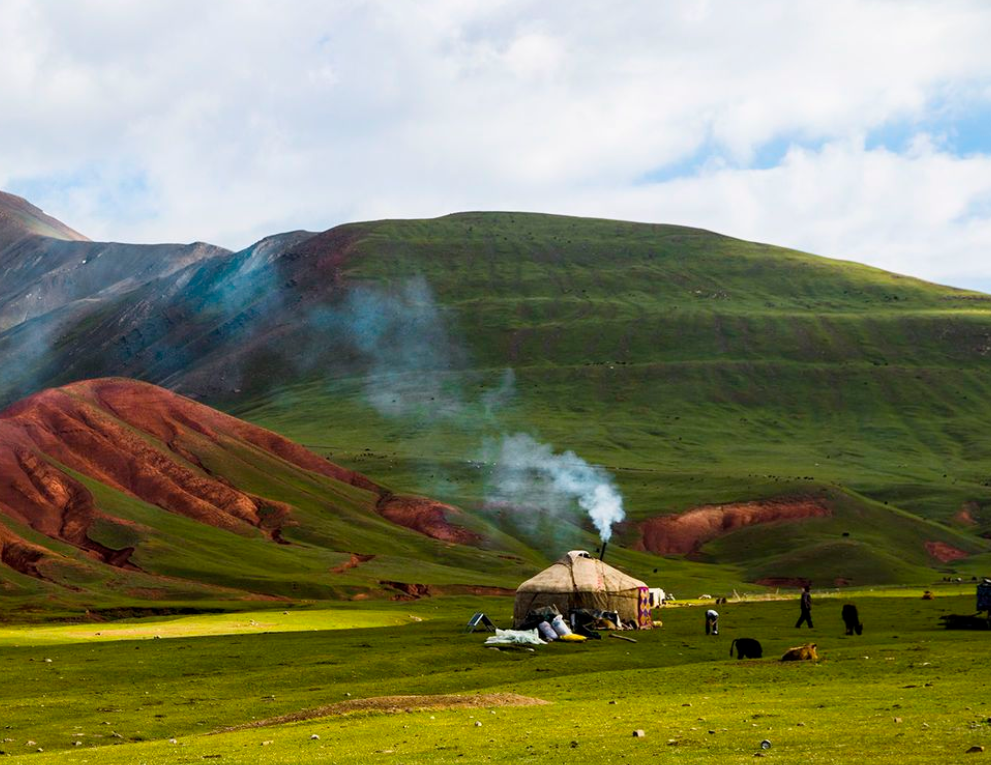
[711, 622]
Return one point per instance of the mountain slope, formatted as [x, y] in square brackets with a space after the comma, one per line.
[19, 218]
[122, 485]
[702, 370]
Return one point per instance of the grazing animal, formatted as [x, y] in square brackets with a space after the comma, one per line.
[747, 648]
[801, 653]
[852, 619]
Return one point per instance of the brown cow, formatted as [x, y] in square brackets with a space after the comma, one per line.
[805, 652]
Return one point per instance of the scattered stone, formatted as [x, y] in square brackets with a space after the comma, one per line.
[712, 733]
[115, 734]
[173, 741]
[315, 737]
[478, 723]
[30, 743]
[687, 704]
[639, 734]
[897, 719]
[78, 743]
[574, 744]
[765, 744]
[266, 743]
[975, 750]
[612, 702]
[672, 742]
[48, 661]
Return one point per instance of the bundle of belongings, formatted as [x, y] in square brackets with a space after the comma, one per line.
[515, 637]
[546, 632]
[580, 622]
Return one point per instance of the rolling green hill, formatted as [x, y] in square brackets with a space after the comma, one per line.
[699, 368]
[701, 371]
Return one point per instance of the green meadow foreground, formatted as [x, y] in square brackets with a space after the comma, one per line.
[906, 691]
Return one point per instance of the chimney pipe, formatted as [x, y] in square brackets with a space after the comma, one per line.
[602, 552]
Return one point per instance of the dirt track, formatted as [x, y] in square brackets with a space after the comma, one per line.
[397, 705]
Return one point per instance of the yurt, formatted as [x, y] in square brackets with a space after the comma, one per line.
[578, 580]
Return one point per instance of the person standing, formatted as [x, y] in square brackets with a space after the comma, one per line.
[711, 622]
[806, 615]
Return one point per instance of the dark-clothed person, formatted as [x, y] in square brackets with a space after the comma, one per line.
[806, 615]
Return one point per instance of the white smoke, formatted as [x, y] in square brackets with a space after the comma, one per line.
[529, 475]
[414, 364]
[410, 353]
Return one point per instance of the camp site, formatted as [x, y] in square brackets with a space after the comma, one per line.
[456, 382]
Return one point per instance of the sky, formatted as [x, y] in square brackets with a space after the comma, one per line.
[856, 129]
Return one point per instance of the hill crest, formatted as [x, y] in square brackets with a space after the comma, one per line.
[20, 218]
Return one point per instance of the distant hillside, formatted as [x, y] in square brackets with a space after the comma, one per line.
[702, 371]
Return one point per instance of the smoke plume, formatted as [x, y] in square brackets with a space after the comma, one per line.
[407, 348]
[528, 474]
[413, 361]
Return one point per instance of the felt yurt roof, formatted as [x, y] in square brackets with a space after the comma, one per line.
[578, 571]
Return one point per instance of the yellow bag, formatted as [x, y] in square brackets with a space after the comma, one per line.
[572, 638]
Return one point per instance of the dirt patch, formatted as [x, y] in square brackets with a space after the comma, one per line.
[686, 532]
[397, 705]
[783, 581]
[409, 591]
[21, 555]
[965, 515]
[427, 516]
[354, 561]
[472, 589]
[945, 553]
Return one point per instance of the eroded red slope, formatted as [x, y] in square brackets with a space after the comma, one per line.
[686, 532]
[138, 439]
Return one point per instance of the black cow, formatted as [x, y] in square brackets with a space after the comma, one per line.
[747, 648]
[852, 619]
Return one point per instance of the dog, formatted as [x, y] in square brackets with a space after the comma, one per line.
[747, 648]
[801, 653]
[852, 620]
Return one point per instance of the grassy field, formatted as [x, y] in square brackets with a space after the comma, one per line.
[904, 692]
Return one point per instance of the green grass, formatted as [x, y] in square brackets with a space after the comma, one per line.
[698, 368]
[240, 623]
[674, 683]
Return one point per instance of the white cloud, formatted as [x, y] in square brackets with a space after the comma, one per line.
[233, 119]
[926, 213]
